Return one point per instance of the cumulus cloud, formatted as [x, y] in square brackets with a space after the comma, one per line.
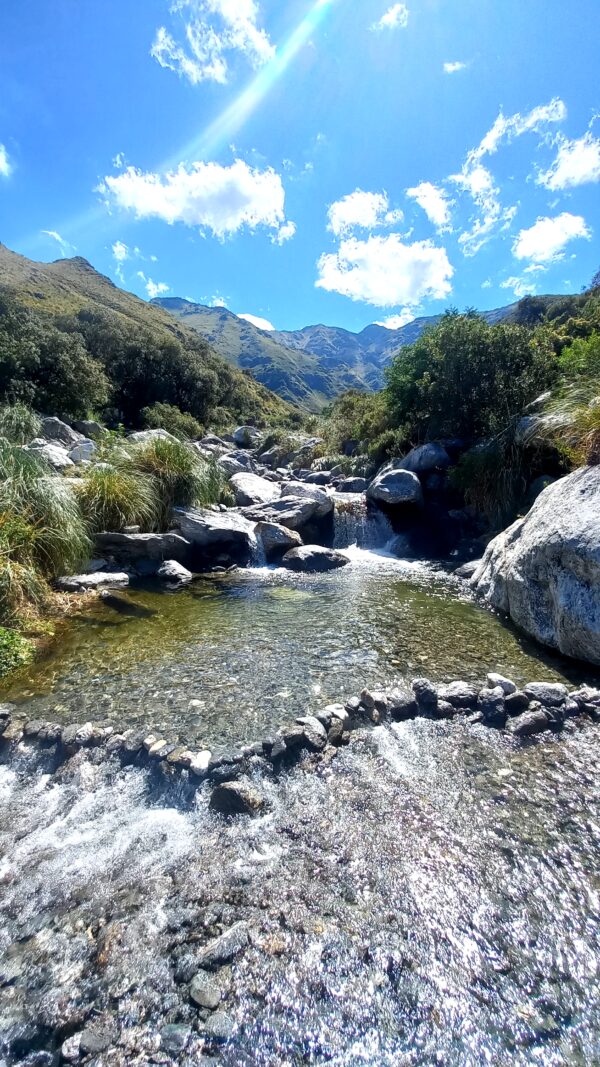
[212, 197]
[255, 320]
[212, 30]
[576, 163]
[435, 203]
[546, 240]
[120, 251]
[453, 68]
[395, 322]
[384, 271]
[396, 17]
[477, 180]
[520, 287]
[360, 210]
[66, 248]
[153, 289]
[285, 233]
[5, 164]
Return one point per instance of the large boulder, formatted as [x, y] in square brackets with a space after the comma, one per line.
[314, 558]
[54, 455]
[324, 503]
[425, 458]
[90, 428]
[252, 489]
[396, 488]
[81, 583]
[544, 570]
[215, 529]
[126, 547]
[143, 437]
[289, 511]
[352, 485]
[83, 452]
[247, 437]
[276, 539]
[56, 430]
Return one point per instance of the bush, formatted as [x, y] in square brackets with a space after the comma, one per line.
[180, 475]
[113, 497]
[15, 651]
[18, 424]
[168, 417]
[493, 478]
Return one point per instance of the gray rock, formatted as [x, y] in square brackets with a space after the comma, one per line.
[209, 528]
[276, 539]
[54, 455]
[219, 1028]
[544, 571]
[318, 478]
[144, 437]
[173, 574]
[174, 1037]
[204, 991]
[130, 547]
[315, 733]
[83, 452]
[289, 511]
[237, 798]
[425, 694]
[54, 429]
[403, 705]
[530, 722]
[97, 1037]
[224, 948]
[515, 703]
[81, 583]
[90, 428]
[70, 1049]
[459, 694]
[231, 465]
[250, 489]
[585, 695]
[550, 694]
[467, 570]
[507, 687]
[445, 710]
[314, 558]
[491, 704]
[322, 501]
[352, 485]
[396, 487]
[247, 437]
[425, 458]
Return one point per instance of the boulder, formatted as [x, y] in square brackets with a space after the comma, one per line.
[247, 437]
[425, 458]
[231, 465]
[90, 428]
[276, 539]
[289, 511]
[323, 503]
[55, 456]
[249, 489]
[236, 798]
[143, 437]
[507, 687]
[396, 487]
[544, 570]
[459, 694]
[491, 704]
[314, 558]
[208, 529]
[550, 694]
[426, 694]
[318, 478]
[81, 583]
[55, 430]
[83, 452]
[128, 547]
[173, 574]
[529, 723]
[352, 485]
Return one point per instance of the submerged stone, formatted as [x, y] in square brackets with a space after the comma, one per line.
[236, 798]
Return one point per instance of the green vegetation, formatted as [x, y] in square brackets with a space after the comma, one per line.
[18, 424]
[111, 498]
[15, 651]
[180, 476]
[167, 417]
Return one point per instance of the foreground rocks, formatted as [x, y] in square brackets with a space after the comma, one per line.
[544, 570]
[396, 487]
[314, 558]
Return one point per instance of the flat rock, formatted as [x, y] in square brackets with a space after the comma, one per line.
[80, 583]
[314, 558]
[209, 528]
[550, 694]
[250, 489]
[130, 547]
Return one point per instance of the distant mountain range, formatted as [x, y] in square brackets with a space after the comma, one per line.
[308, 367]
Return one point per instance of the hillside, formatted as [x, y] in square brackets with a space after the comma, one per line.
[70, 288]
[296, 375]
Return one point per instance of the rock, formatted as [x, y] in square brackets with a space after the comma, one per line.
[425, 458]
[97, 1037]
[459, 694]
[209, 529]
[425, 694]
[492, 707]
[231, 465]
[204, 992]
[173, 574]
[322, 501]
[445, 710]
[291, 512]
[80, 583]
[318, 478]
[247, 437]
[367, 700]
[200, 762]
[403, 705]
[467, 570]
[544, 571]
[314, 558]
[276, 539]
[585, 695]
[130, 547]
[250, 489]
[54, 429]
[70, 1049]
[495, 680]
[144, 437]
[82, 452]
[396, 487]
[352, 485]
[54, 455]
[224, 948]
[315, 733]
[174, 1037]
[218, 1028]
[550, 694]
[515, 703]
[530, 722]
[237, 798]
[90, 428]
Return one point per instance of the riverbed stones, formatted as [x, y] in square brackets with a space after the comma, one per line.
[530, 722]
[426, 694]
[550, 694]
[218, 1028]
[276, 539]
[515, 703]
[491, 704]
[237, 798]
[507, 687]
[175, 1037]
[250, 489]
[396, 488]
[82, 583]
[204, 991]
[403, 705]
[98, 1037]
[225, 947]
[173, 574]
[315, 734]
[459, 694]
[314, 558]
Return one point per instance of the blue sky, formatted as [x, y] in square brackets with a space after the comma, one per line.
[339, 161]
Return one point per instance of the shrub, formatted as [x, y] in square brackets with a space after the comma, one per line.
[15, 651]
[18, 424]
[493, 478]
[572, 423]
[180, 475]
[113, 497]
[168, 417]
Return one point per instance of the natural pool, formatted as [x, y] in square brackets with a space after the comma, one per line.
[230, 658]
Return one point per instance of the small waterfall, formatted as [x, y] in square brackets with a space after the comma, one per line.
[356, 524]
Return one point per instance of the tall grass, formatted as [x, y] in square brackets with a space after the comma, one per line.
[493, 478]
[18, 424]
[572, 422]
[113, 497]
[180, 476]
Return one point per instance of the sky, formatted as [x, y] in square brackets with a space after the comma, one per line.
[306, 161]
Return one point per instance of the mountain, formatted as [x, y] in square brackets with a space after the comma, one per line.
[300, 377]
[308, 367]
[69, 286]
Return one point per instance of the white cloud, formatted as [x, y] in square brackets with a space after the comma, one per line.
[119, 161]
[220, 199]
[66, 248]
[5, 164]
[120, 251]
[396, 17]
[385, 272]
[545, 241]
[453, 68]
[435, 203]
[360, 210]
[217, 301]
[577, 162]
[487, 284]
[520, 287]
[478, 181]
[255, 320]
[395, 322]
[213, 28]
[153, 289]
[285, 233]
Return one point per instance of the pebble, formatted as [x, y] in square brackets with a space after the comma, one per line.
[204, 992]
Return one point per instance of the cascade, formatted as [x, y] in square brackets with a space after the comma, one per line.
[356, 524]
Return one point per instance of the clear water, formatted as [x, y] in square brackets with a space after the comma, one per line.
[230, 659]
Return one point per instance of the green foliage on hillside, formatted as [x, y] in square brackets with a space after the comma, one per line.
[168, 417]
